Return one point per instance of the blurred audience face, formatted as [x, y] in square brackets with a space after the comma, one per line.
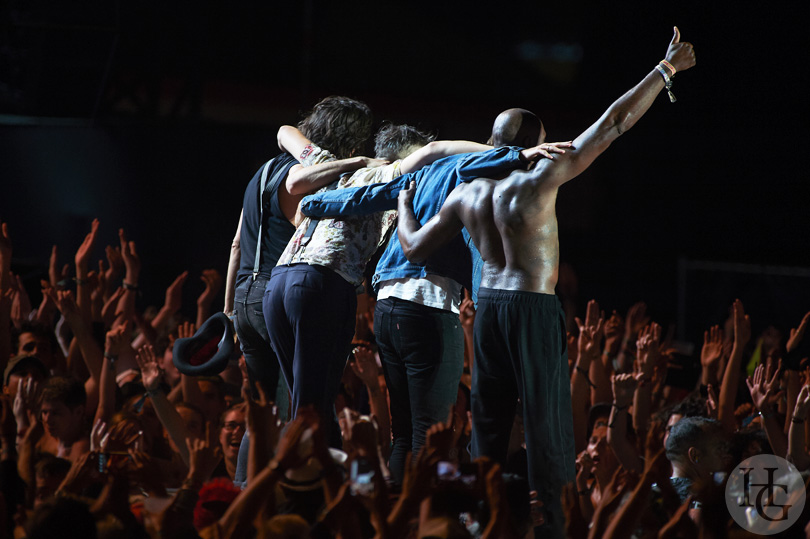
[230, 435]
[22, 373]
[715, 456]
[45, 488]
[32, 344]
[674, 418]
[61, 421]
[599, 450]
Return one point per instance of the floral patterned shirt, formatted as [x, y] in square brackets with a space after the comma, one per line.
[345, 244]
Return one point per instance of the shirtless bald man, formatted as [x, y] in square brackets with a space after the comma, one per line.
[519, 327]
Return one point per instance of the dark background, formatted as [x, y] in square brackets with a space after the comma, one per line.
[153, 116]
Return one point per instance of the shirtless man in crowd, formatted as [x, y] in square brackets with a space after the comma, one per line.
[519, 335]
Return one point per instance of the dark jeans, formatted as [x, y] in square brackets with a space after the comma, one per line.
[520, 352]
[310, 316]
[262, 364]
[422, 352]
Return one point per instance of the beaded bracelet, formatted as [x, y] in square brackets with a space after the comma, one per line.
[667, 81]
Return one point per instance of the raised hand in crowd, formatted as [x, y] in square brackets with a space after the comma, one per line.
[614, 331]
[500, 521]
[57, 277]
[797, 453]
[108, 311]
[174, 294]
[130, 258]
[204, 455]
[30, 429]
[624, 390]
[264, 426]
[590, 335]
[711, 355]
[624, 387]
[213, 283]
[589, 351]
[366, 369]
[797, 334]
[132, 274]
[711, 402]
[172, 304]
[186, 330]
[116, 345]
[25, 406]
[443, 437]
[634, 322]
[152, 379]
[765, 394]
[741, 325]
[648, 356]
[114, 270]
[365, 365]
[177, 520]
[361, 439]
[46, 311]
[466, 311]
[99, 434]
[21, 303]
[364, 319]
[98, 286]
[764, 387]
[417, 482]
[648, 350]
[81, 259]
[151, 373]
[589, 372]
[466, 315]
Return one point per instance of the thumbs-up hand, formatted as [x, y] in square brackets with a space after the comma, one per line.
[680, 54]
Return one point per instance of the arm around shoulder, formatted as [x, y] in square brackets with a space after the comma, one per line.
[439, 149]
[419, 242]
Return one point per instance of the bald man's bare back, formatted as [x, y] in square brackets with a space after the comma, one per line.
[514, 224]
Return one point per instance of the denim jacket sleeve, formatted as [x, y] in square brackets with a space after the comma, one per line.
[380, 197]
[488, 164]
[363, 200]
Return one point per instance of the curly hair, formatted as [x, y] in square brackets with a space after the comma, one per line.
[394, 142]
[338, 124]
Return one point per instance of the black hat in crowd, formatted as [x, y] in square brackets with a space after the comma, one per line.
[208, 351]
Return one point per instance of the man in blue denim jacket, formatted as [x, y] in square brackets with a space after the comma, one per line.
[416, 320]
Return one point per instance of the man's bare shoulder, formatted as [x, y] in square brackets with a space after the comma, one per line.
[470, 195]
[475, 188]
